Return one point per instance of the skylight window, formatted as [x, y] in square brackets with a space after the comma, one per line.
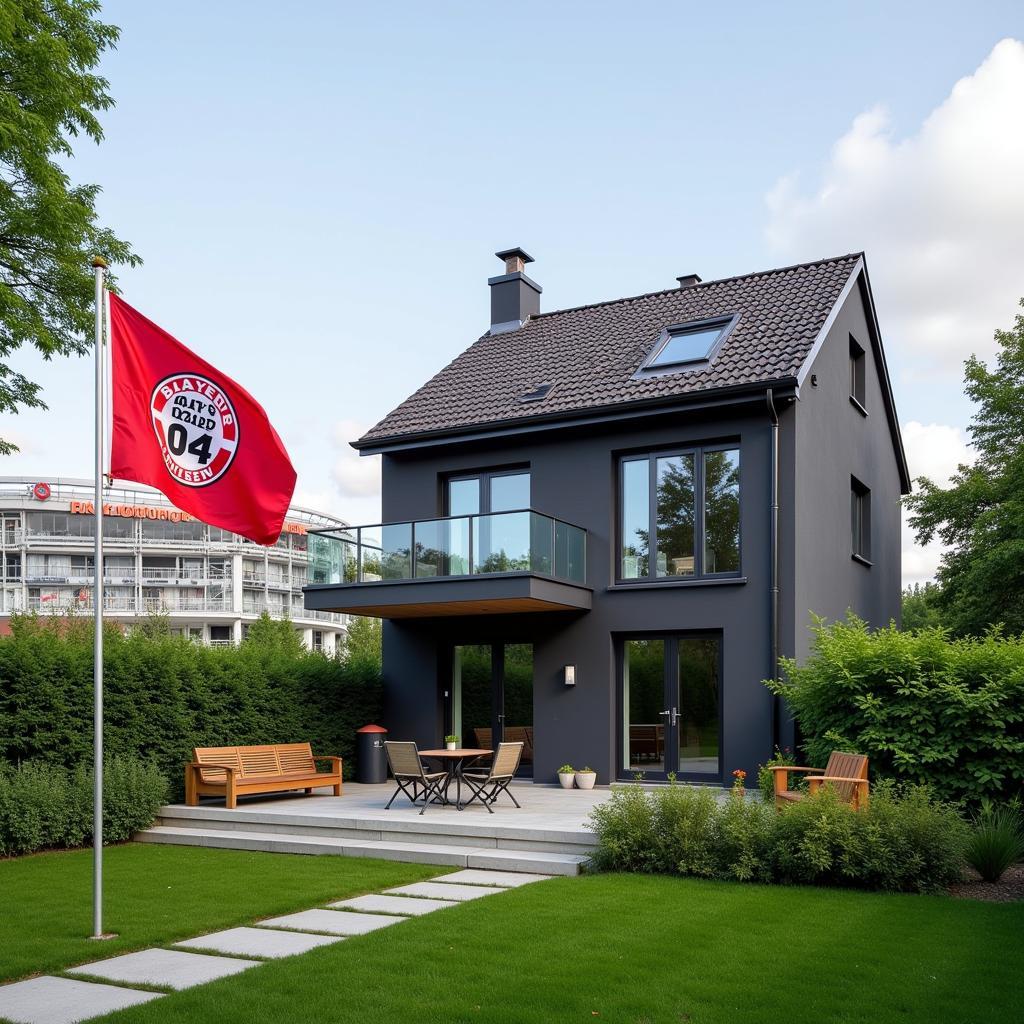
[686, 344]
[536, 394]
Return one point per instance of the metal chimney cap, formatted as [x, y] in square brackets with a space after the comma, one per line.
[516, 253]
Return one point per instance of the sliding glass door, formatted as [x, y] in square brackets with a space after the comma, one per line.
[671, 706]
[492, 697]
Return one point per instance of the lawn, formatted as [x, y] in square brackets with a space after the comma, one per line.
[160, 894]
[644, 950]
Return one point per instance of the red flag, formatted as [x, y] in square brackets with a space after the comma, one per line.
[190, 431]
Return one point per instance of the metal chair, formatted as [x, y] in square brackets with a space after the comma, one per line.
[407, 768]
[488, 786]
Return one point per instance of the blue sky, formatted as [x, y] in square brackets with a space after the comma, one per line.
[318, 191]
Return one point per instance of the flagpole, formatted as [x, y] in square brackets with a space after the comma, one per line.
[99, 266]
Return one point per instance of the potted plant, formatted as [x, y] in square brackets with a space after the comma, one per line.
[451, 742]
[586, 777]
[567, 776]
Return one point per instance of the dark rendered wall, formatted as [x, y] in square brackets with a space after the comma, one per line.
[574, 478]
[834, 441]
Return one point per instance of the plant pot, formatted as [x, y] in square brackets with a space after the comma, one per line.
[449, 746]
[567, 779]
[586, 780]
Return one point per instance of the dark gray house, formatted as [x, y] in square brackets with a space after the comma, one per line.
[603, 524]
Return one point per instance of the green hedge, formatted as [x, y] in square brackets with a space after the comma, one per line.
[923, 707]
[44, 806]
[165, 695]
[902, 842]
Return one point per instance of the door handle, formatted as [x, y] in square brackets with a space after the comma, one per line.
[664, 714]
[674, 718]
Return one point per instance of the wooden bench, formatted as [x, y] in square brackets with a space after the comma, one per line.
[237, 771]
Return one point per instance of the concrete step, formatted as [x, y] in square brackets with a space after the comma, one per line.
[477, 832]
[446, 854]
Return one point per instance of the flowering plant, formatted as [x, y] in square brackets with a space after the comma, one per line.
[739, 778]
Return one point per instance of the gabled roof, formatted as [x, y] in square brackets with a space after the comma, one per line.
[590, 354]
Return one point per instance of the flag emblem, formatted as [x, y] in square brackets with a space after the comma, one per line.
[196, 427]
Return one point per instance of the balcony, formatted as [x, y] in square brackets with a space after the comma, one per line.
[500, 562]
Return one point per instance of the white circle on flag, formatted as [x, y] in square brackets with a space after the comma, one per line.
[196, 427]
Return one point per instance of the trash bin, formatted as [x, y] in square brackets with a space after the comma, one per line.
[371, 759]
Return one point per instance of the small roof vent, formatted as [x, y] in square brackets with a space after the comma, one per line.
[538, 394]
[689, 280]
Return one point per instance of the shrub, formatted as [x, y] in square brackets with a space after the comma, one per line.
[997, 840]
[43, 806]
[902, 842]
[166, 695]
[924, 708]
[766, 778]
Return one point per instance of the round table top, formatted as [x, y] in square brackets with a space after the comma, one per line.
[459, 752]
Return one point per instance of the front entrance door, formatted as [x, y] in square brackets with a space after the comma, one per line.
[671, 700]
[492, 697]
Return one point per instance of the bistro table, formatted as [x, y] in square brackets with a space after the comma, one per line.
[454, 763]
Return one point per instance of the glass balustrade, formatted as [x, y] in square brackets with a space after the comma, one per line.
[474, 545]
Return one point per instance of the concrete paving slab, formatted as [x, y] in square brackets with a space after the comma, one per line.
[63, 1001]
[258, 942]
[504, 879]
[335, 922]
[402, 905]
[442, 891]
[167, 967]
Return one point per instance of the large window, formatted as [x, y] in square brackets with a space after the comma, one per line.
[679, 514]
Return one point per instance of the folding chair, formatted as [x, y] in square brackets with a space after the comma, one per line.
[407, 768]
[488, 786]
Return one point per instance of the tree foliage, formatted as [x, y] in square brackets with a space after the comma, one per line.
[49, 96]
[921, 606]
[980, 516]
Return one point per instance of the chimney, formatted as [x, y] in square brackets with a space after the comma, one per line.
[688, 280]
[514, 297]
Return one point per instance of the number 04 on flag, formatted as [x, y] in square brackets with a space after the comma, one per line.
[185, 428]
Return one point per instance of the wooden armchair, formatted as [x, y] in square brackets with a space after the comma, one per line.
[846, 773]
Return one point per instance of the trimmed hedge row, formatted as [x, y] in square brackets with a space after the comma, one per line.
[44, 806]
[902, 842]
[924, 708]
[165, 695]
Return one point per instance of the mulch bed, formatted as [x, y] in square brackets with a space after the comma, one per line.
[1008, 889]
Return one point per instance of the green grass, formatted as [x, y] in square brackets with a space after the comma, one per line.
[160, 894]
[644, 950]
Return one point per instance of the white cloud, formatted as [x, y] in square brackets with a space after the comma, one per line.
[934, 450]
[939, 213]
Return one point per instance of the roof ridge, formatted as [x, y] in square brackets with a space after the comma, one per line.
[702, 284]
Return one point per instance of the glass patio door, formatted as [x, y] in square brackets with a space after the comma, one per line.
[671, 712]
[492, 697]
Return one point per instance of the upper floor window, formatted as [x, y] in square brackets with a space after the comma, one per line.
[857, 370]
[860, 520]
[495, 491]
[685, 345]
[679, 514]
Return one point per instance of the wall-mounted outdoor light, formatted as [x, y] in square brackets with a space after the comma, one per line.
[570, 675]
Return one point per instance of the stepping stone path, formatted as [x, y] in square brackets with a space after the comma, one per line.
[67, 1000]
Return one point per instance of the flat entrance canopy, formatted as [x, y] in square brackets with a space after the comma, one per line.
[493, 594]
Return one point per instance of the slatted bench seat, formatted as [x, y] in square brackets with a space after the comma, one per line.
[238, 771]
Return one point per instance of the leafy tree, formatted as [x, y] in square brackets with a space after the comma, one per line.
[49, 95]
[267, 635]
[363, 643]
[980, 516]
[921, 606]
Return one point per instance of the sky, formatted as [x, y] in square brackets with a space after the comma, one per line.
[318, 191]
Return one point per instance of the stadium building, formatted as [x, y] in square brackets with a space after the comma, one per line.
[156, 559]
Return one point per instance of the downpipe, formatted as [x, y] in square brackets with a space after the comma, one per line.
[773, 601]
